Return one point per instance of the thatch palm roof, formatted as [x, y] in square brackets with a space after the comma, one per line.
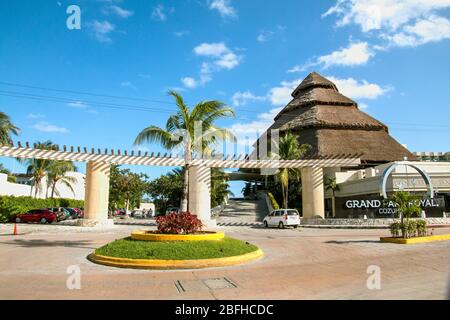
[333, 124]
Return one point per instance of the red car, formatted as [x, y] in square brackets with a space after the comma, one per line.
[40, 215]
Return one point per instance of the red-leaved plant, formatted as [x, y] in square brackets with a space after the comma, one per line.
[183, 223]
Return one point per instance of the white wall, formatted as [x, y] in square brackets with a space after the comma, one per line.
[15, 189]
[12, 189]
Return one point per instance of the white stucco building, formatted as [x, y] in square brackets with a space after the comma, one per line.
[25, 187]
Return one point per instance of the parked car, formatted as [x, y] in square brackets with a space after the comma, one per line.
[38, 215]
[74, 214]
[80, 212]
[170, 210]
[61, 213]
[138, 214]
[120, 213]
[282, 218]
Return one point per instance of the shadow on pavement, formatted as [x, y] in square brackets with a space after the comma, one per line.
[44, 243]
[352, 241]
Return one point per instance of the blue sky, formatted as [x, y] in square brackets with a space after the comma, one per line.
[391, 57]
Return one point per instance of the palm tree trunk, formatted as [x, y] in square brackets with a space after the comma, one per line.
[184, 207]
[35, 189]
[184, 198]
[286, 204]
[53, 189]
[284, 193]
[333, 205]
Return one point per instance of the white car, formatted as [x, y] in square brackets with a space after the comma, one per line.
[282, 218]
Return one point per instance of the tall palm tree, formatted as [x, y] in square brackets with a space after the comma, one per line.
[331, 184]
[289, 149]
[180, 132]
[57, 172]
[6, 129]
[38, 168]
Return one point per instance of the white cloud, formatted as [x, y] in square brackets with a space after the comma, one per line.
[267, 35]
[223, 7]
[355, 54]
[122, 13]
[223, 57]
[101, 30]
[47, 127]
[181, 33]
[211, 49]
[358, 53]
[248, 132]
[241, 98]
[128, 84]
[264, 36]
[159, 13]
[77, 104]
[220, 58]
[402, 23]
[359, 89]
[363, 106]
[431, 29]
[384, 14]
[295, 69]
[189, 82]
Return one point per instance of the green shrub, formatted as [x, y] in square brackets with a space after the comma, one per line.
[395, 229]
[421, 228]
[10, 205]
[274, 202]
[409, 228]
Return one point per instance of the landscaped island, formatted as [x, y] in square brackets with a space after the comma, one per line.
[180, 250]
[177, 244]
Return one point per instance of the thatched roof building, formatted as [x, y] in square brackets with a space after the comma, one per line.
[333, 124]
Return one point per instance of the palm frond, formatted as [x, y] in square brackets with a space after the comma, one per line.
[154, 134]
[181, 105]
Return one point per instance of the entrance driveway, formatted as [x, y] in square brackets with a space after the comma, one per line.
[299, 264]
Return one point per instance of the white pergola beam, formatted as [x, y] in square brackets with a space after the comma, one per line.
[145, 160]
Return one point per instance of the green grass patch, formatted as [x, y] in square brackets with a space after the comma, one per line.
[189, 250]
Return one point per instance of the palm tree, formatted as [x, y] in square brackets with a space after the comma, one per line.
[289, 149]
[57, 172]
[38, 168]
[180, 132]
[406, 205]
[331, 184]
[219, 187]
[6, 129]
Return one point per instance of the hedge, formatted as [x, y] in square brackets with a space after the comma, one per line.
[10, 205]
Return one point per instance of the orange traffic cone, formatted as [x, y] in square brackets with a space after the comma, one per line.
[15, 229]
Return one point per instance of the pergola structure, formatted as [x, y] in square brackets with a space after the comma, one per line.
[98, 164]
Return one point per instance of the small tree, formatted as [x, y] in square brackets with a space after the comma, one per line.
[57, 173]
[331, 184]
[406, 208]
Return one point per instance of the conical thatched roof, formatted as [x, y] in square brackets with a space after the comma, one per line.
[333, 124]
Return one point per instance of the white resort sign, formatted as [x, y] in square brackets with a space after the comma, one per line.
[387, 207]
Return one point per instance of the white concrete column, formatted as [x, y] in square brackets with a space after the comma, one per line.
[97, 195]
[313, 192]
[200, 194]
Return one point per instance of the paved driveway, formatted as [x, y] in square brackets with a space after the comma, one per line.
[299, 264]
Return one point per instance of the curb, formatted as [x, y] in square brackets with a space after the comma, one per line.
[175, 264]
[441, 237]
[144, 235]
